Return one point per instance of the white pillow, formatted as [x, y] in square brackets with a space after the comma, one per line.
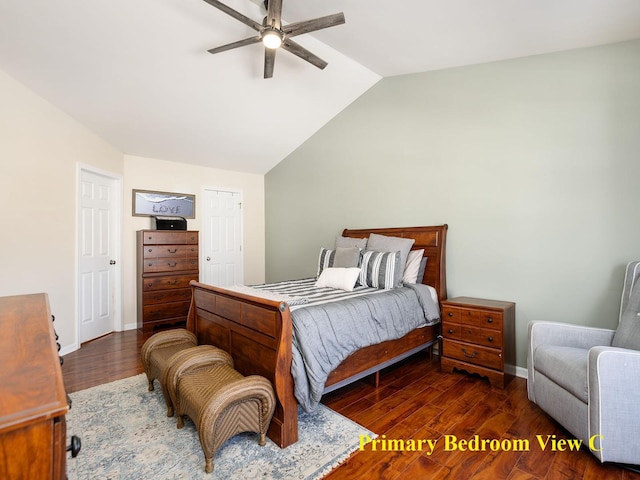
[341, 278]
[413, 266]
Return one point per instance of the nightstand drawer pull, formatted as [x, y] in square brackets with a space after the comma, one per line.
[450, 314]
[490, 320]
[490, 339]
[451, 330]
[468, 355]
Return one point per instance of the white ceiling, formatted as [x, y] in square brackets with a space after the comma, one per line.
[137, 73]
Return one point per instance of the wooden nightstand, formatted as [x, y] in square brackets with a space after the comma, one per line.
[479, 337]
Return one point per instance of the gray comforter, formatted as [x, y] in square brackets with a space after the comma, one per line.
[325, 334]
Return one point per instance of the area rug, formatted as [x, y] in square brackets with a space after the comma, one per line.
[126, 434]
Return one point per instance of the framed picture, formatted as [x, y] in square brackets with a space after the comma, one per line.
[147, 203]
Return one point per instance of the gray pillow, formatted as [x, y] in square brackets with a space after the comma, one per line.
[346, 257]
[361, 243]
[384, 243]
[628, 333]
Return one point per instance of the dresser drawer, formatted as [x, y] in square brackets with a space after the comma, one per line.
[166, 296]
[482, 336]
[166, 282]
[165, 310]
[156, 265]
[470, 353]
[160, 237]
[170, 251]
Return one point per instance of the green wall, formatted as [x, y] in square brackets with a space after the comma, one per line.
[533, 163]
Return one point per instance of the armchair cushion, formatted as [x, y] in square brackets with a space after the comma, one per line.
[628, 333]
[565, 366]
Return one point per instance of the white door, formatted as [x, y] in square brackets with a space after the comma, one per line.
[221, 238]
[96, 255]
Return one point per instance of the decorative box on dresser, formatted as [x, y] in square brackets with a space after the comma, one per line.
[33, 402]
[479, 337]
[167, 262]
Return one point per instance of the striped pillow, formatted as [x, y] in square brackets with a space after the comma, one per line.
[378, 269]
[325, 260]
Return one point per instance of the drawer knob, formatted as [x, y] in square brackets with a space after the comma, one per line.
[490, 339]
[450, 314]
[450, 330]
[174, 264]
[172, 250]
[75, 446]
[469, 355]
[490, 320]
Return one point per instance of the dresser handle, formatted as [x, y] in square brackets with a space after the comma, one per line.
[172, 250]
[473, 355]
[490, 320]
[490, 339]
[169, 282]
[174, 264]
[450, 314]
[450, 330]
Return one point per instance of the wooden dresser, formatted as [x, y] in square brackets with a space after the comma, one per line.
[33, 402]
[167, 262]
[479, 337]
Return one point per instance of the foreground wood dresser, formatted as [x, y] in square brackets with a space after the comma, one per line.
[167, 262]
[33, 402]
[479, 337]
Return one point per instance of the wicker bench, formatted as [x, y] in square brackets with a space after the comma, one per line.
[220, 401]
[158, 352]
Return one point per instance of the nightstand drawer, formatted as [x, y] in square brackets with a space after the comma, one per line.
[476, 354]
[481, 336]
[451, 330]
[481, 318]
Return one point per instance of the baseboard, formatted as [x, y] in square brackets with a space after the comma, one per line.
[68, 349]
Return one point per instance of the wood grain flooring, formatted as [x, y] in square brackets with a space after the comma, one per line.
[414, 401]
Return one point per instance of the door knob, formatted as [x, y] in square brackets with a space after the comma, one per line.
[112, 262]
[208, 259]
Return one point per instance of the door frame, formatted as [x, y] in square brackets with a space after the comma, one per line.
[203, 224]
[116, 225]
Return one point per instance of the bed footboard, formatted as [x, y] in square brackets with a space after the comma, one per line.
[257, 334]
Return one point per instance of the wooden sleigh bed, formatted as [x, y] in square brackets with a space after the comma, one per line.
[257, 332]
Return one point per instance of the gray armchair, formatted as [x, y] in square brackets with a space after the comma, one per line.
[588, 379]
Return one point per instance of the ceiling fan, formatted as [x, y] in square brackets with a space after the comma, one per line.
[274, 35]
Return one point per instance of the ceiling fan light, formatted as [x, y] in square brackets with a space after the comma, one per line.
[271, 39]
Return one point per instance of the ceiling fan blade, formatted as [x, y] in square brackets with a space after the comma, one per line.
[274, 13]
[239, 43]
[235, 14]
[303, 53]
[269, 61]
[307, 26]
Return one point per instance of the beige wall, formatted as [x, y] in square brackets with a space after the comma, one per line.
[534, 164]
[151, 174]
[40, 148]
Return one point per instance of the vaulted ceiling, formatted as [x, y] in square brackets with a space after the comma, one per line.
[137, 72]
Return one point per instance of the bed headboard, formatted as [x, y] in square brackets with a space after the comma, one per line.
[432, 239]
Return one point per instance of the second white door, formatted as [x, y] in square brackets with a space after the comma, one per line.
[221, 238]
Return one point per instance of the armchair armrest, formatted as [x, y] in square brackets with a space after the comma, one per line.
[614, 404]
[561, 334]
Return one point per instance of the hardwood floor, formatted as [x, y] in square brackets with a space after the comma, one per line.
[414, 401]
